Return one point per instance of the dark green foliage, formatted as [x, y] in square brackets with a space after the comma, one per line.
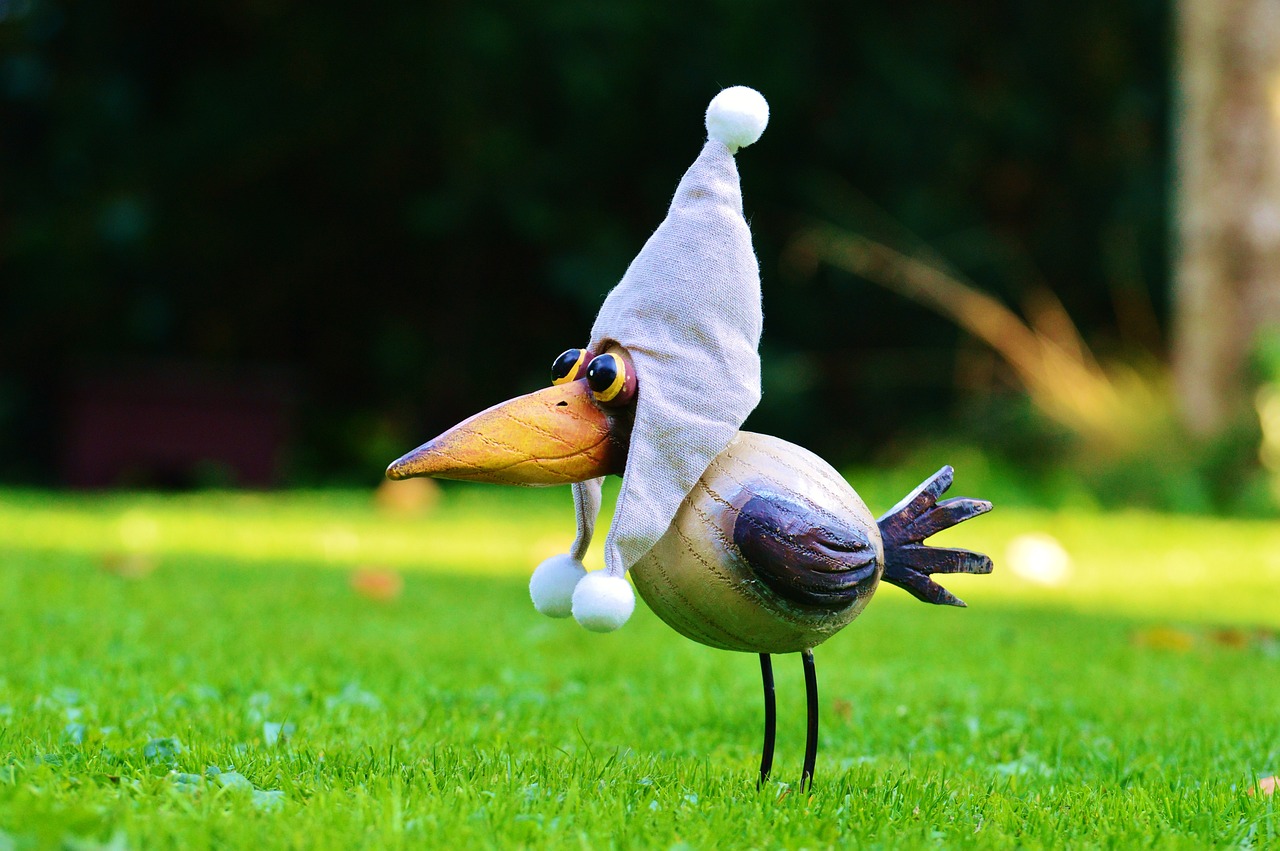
[371, 196]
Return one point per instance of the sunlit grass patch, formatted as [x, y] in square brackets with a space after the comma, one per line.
[479, 532]
[1191, 568]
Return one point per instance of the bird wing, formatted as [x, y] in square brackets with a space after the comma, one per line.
[802, 552]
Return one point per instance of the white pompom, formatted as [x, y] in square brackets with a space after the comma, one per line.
[737, 116]
[552, 584]
[603, 602]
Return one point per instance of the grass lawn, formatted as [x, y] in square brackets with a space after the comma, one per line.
[242, 694]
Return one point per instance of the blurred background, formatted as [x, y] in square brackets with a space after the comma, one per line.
[273, 243]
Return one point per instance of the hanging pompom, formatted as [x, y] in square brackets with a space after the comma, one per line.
[603, 602]
[552, 584]
[737, 116]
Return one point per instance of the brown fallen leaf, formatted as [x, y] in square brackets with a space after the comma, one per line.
[407, 497]
[127, 565]
[377, 583]
[1233, 637]
[843, 708]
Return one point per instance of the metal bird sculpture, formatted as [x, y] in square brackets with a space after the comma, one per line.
[737, 540]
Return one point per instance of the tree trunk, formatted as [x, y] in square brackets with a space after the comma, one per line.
[1227, 280]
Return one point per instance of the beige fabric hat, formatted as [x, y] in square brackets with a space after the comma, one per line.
[688, 313]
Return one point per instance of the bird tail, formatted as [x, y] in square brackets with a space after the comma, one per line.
[908, 563]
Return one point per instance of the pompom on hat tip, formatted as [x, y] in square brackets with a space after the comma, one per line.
[737, 117]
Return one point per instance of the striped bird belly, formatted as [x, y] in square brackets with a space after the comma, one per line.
[696, 579]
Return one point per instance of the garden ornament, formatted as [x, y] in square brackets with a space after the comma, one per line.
[736, 540]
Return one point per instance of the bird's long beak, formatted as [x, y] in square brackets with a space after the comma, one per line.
[553, 436]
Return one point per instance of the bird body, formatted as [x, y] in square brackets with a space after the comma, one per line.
[736, 540]
[697, 578]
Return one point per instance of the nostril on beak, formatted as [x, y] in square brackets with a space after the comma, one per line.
[562, 404]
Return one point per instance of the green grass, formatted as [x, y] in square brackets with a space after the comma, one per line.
[242, 695]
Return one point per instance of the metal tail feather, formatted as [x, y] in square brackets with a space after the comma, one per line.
[908, 562]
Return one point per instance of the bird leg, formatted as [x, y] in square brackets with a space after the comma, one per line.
[770, 719]
[811, 735]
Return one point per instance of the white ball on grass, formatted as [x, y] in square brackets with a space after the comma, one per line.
[603, 602]
[737, 116]
[552, 584]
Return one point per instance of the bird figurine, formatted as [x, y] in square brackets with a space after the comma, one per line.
[737, 540]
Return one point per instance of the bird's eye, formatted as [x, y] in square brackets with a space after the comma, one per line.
[570, 365]
[611, 380]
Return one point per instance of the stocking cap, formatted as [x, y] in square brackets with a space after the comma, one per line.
[688, 313]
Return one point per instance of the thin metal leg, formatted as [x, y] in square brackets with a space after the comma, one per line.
[770, 719]
[811, 737]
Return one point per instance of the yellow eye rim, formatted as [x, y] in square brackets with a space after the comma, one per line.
[611, 392]
[574, 371]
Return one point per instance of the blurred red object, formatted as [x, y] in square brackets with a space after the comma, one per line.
[176, 426]
[377, 583]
